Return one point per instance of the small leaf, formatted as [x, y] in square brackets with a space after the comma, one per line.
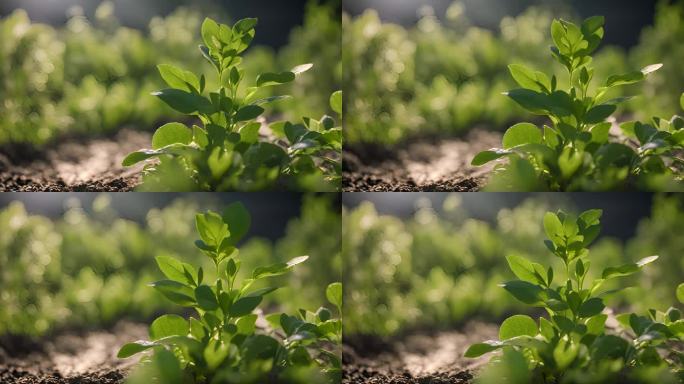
[680, 293]
[172, 268]
[518, 325]
[525, 77]
[168, 325]
[485, 157]
[553, 227]
[336, 102]
[277, 268]
[245, 306]
[206, 298]
[183, 101]
[248, 112]
[609, 347]
[131, 349]
[138, 156]
[526, 292]
[599, 113]
[178, 78]
[521, 133]
[211, 228]
[479, 349]
[210, 31]
[334, 294]
[591, 307]
[177, 292]
[171, 133]
[268, 79]
[627, 269]
[647, 70]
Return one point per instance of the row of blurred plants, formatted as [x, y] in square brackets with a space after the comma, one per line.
[447, 77]
[92, 269]
[441, 268]
[95, 76]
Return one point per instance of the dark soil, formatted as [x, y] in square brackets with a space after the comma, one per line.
[82, 165]
[73, 358]
[425, 165]
[419, 358]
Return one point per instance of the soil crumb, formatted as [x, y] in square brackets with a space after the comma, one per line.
[426, 165]
[419, 358]
[73, 358]
[74, 165]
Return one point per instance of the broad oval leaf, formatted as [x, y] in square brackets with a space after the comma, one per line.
[238, 219]
[171, 133]
[526, 292]
[245, 306]
[175, 291]
[591, 307]
[248, 112]
[301, 68]
[522, 133]
[627, 269]
[138, 156]
[185, 102]
[553, 227]
[334, 294]
[525, 77]
[680, 293]
[336, 102]
[518, 325]
[178, 78]
[168, 325]
[599, 113]
[172, 268]
[268, 79]
[479, 349]
[130, 349]
[206, 299]
[485, 157]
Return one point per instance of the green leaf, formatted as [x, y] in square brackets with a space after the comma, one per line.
[260, 347]
[608, 347]
[210, 32]
[336, 102]
[171, 268]
[485, 157]
[171, 133]
[591, 307]
[558, 34]
[553, 228]
[522, 133]
[206, 299]
[168, 325]
[177, 292]
[628, 78]
[138, 156]
[518, 325]
[681, 101]
[238, 219]
[627, 269]
[268, 79]
[680, 293]
[523, 269]
[526, 292]
[533, 101]
[479, 349]
[245, 25]
[248, 112]
[244, 306]
[246, 324]
[185, 102]
[525, 77]
[334, 294]
[178, 78]
[599, 113]
[596, 324]
[215, 353]
[277, 268]
[131, 349]
[211, 228]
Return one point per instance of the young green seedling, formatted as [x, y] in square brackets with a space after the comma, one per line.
[573, 336]
[224, 342]
[575, 151]
[225, 152]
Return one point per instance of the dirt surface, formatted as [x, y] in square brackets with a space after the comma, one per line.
[87, 165]
[73, 358]
[426, 165]
[419, 358]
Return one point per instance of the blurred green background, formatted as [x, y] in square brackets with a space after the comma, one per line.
[434, 260]
[83, 260]
[438, 67]
[87, 67]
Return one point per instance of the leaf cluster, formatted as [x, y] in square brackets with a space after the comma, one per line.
[576, 150]
[574, 337]
[226, 152]
[227, 340]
